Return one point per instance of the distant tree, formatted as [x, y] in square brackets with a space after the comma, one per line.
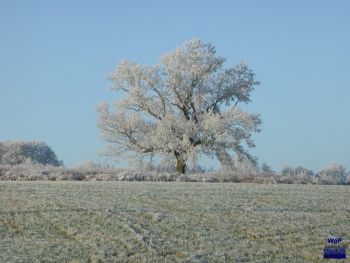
[287, 170]
[1, 152]
[335, 172]
[297, 171]
[266, 169]
[302, 171]
[243, 166]
[184, 106]
[16, 152]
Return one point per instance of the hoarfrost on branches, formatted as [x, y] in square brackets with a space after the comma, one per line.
[185, 105]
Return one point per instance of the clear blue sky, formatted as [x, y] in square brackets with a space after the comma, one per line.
[55, 55]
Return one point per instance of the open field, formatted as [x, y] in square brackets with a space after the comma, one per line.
[169, 222]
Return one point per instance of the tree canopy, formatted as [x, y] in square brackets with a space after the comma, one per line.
[184, 106]
[16, 152]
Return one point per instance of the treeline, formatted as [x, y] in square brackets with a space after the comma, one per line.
[37, 161]
[90, 171]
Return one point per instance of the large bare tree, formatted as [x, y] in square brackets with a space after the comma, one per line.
[186, 105]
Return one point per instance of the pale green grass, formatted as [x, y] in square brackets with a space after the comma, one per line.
[169, 222]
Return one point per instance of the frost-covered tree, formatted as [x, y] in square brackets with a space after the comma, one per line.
[186, 105]
[266, 169]
[16, 152]
[335, 173]
[297, 171]
[300, 170]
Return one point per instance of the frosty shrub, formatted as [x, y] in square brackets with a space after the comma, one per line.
[167, 166]
[245, 173]
[30, 171]
[347, 178]
[147, 176]
[186, 105]
[297, 175]
[16, 152]
[333, 174]
[89, 169]
[242, 168]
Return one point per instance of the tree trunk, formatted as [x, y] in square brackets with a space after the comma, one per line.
[180, 165]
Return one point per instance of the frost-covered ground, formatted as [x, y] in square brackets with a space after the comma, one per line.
[169, 222]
